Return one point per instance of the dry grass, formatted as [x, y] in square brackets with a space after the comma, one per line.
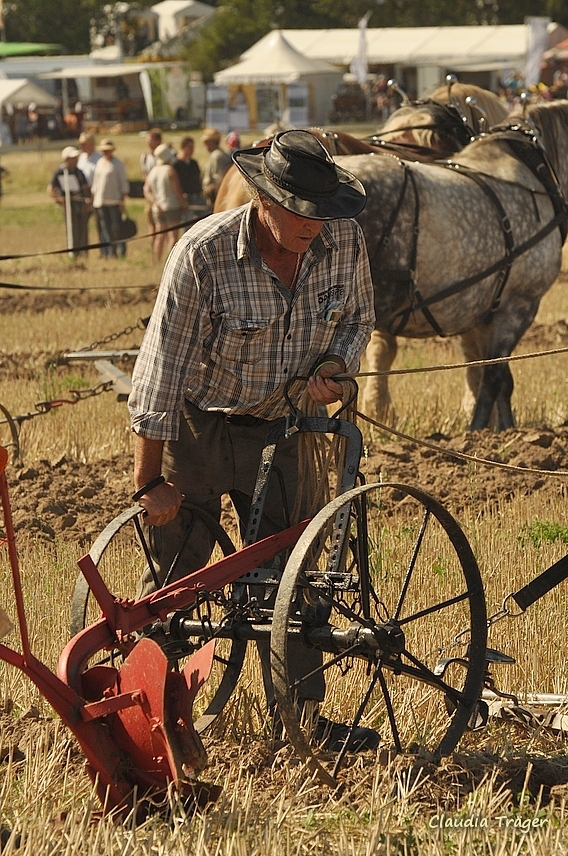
[269, 805]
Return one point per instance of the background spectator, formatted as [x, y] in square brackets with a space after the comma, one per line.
[189, 175]
[110, 188]
[69, 182]
[217, 164]
[163, 191]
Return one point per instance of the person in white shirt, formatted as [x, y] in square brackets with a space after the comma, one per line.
[88, 157]
[110, 188]
[162, 190]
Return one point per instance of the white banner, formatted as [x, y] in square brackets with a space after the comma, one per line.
[537, 43]
[358, 65]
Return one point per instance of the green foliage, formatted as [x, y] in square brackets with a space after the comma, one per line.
[64, 22]
[541, 532]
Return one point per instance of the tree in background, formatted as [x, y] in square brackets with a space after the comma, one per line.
[65, 22]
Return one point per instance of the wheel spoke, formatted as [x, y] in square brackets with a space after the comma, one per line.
[325, 666]
[436, 608]
[412, 563]
[422, 673]
[356, 720]
[390, 711]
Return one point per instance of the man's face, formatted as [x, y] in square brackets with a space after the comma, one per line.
[292, 232]
[188, 150]
[210, 145]
[153, 142]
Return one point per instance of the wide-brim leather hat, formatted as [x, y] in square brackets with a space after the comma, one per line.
[298, 173]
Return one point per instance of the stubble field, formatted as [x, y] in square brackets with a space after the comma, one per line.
[75, 475]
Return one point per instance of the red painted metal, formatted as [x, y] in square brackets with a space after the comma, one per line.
[134, 724]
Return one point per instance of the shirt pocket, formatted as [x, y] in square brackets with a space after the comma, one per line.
[242, 340]
[326, 325]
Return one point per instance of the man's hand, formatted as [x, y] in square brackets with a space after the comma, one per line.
[161, 504]
[321, 386]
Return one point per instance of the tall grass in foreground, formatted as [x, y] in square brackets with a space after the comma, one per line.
[269, 805]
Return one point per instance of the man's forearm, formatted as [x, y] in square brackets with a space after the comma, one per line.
[147, 460]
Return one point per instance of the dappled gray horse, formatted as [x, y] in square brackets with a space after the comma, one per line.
[466, 248]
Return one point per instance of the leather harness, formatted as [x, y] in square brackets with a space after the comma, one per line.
[527, 149]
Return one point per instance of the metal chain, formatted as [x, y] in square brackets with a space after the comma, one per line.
[43, 407]
[140, 325]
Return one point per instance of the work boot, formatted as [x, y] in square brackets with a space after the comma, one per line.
[332, 735]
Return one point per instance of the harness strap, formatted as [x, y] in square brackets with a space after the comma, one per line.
[456, 287]
[505, 227]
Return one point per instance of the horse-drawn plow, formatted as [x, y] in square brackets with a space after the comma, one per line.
[414, 665]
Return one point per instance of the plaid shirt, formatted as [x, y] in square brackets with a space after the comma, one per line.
[225, 332]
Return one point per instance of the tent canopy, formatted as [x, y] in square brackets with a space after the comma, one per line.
[20, 48]
[453, 47]
[22, 91]
[100, 70]
[275, 62]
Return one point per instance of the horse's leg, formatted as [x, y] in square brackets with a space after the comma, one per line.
[469, 344]
[380, 354]
[475, 345]
[496, 388]
[505, 418]
[497, 338]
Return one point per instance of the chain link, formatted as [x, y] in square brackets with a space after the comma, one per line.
[43, 407]
[140, 325]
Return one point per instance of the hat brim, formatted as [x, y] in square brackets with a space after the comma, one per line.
[348, 201]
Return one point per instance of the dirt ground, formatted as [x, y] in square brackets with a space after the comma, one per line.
[73, 501]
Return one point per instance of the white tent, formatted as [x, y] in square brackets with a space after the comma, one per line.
[458, 47]
[279, 64]
[173, 15]
[275, 62]
[22, 91]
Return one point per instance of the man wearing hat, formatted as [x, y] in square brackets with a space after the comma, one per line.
[217, 164]
[69, 185]
[249, 298]
[110, 189]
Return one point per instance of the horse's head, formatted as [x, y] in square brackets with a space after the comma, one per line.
[429, 124]
[474, 103]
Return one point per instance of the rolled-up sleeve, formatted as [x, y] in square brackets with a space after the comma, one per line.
[358, 318]
[170, 350]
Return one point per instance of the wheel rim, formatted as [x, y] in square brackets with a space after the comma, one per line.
[422, 581]
[229, 656]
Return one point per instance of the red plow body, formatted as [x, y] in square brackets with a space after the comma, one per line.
[134, 722]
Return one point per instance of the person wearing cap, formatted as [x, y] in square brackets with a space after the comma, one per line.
[163, 191]
[110, 189]
[217, 164]
[89, 156]
[69, 182]
[249, 298]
